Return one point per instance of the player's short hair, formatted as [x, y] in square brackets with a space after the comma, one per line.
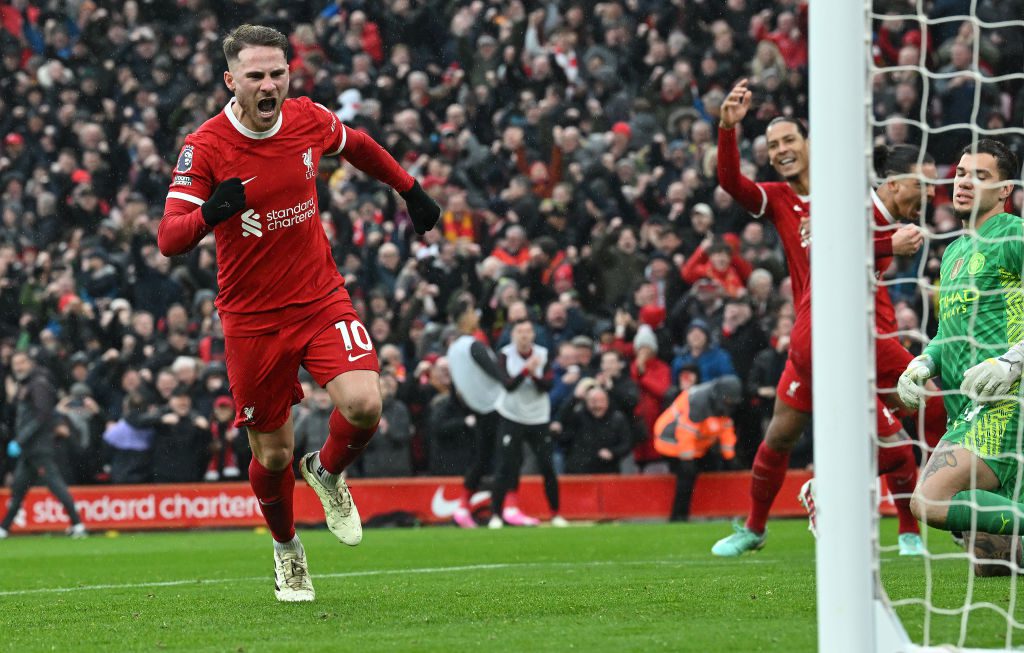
[1006, 161]
[247, 36]
[801, 128]
[897, 159]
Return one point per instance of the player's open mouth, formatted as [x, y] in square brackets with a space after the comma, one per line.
[787, 161]
[266, 107]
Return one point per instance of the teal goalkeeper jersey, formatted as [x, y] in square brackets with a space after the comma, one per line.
[981, 306]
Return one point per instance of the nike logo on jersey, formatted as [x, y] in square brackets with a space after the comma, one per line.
[353, 359]
[249, 179]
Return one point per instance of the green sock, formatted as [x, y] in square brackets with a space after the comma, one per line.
[996, 514]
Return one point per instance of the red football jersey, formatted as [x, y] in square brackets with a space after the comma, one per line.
[274, 260]
[775, 201]
[885, 314]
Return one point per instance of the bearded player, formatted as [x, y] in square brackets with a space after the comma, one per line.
[972, 480]
[898, 198]
[248, 176]
[787, 206]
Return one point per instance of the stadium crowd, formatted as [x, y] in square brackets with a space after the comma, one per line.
[571, 146]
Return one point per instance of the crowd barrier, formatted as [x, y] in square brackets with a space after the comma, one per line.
[428, 499]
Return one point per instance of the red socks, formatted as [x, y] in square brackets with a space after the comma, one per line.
[768, 473]
[900, 470]
[344, 443]
[274, 489]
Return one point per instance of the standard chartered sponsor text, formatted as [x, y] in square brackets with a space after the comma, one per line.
[284, 218]
[149, 508]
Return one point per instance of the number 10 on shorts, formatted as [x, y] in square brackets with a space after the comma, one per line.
[354, 333]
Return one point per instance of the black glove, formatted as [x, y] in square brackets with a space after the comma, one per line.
[227, 199]
[423, 210]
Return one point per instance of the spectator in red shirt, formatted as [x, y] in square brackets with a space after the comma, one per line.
[652, 377]
[791, 40]
[719, 261]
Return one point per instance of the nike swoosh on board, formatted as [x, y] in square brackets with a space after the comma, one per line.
[442, 507]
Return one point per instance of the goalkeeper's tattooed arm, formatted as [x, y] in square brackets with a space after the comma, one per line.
[992, 379]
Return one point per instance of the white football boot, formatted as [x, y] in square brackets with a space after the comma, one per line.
[339, 509]
[292, 583]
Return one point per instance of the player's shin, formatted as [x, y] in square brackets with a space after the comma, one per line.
[344, 443]
[994, 513]
[766, 480]
[274, 490]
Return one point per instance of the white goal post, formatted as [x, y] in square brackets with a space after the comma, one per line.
[854, 615]
[851, 618]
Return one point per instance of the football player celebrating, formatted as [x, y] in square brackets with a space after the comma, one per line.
[248, 176]
[786, 205]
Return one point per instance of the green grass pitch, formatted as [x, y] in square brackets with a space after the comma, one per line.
[625, 587]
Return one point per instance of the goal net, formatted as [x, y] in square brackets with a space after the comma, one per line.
[940, 75]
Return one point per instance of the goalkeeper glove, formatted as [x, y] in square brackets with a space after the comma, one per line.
[227, 199]
[912, 380]
[423, 210]
[991, 379]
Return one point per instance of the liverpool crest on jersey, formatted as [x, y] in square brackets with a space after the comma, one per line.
[307, 158]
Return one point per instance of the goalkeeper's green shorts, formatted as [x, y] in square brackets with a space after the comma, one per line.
[992, 432]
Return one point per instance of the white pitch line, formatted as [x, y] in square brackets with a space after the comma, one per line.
[354, 574]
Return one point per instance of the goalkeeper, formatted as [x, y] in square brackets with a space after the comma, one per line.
[981, 313]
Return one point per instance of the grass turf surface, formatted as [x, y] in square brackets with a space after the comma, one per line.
[640, 587]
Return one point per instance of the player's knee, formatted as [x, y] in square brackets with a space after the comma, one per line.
[933, 515]
[363, 410]
[781, 438]
[274, 458]
[916, 507]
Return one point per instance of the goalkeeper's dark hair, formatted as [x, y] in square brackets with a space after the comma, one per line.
[801, 128]
[248, 36]
[1006, 161]
[898, 159]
